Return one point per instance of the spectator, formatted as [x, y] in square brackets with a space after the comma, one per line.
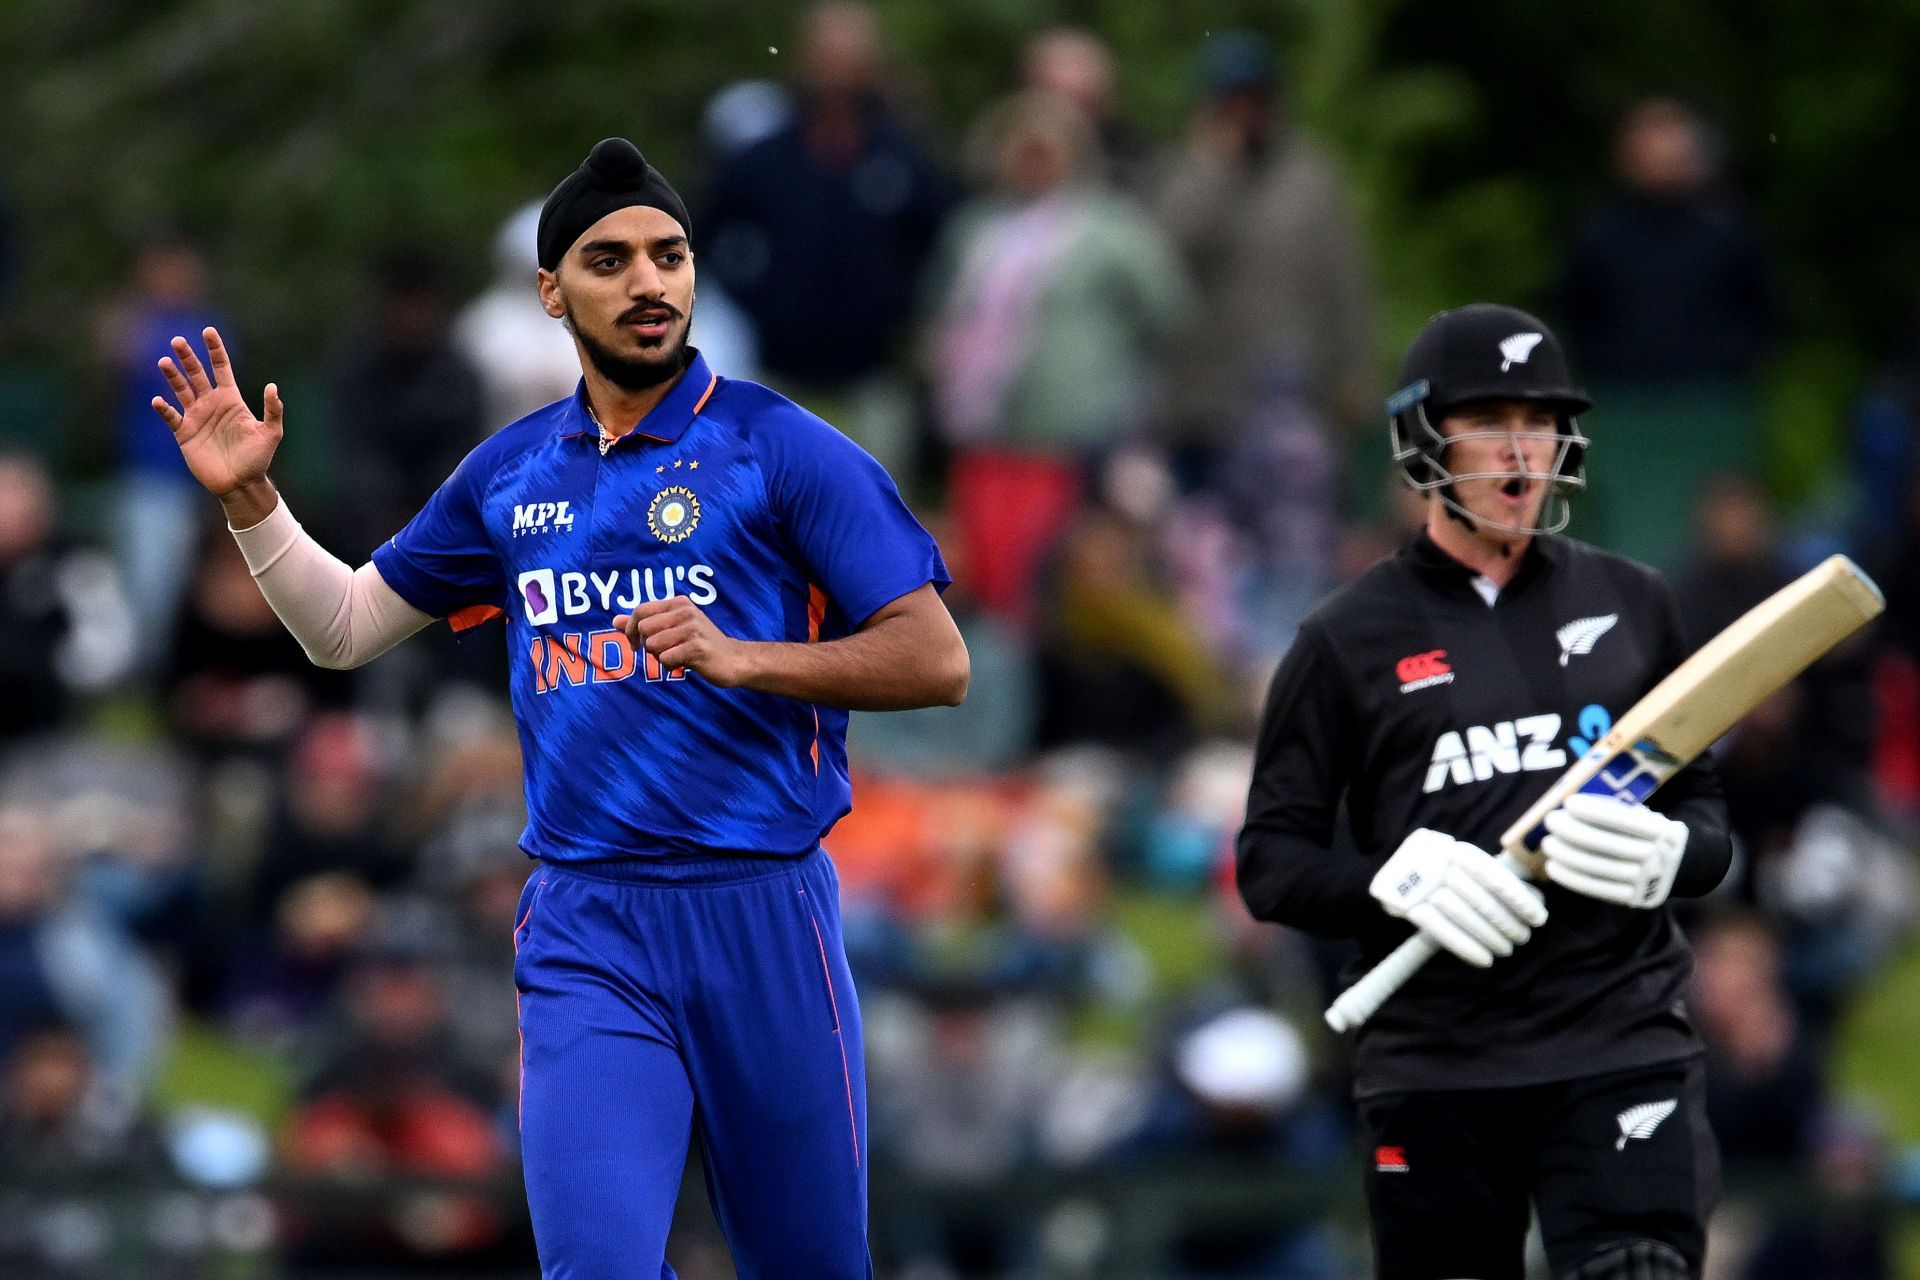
[1736, 561]
[407, 405]
[390, 1099]
[1054, 302]
[63, 1134]
[523, 355]
[157, 505]
[284, 984]
[1266, 225]
[236, 684]
[1118, 665]
[1235, 1094]
[819, 233]
[59, 1119]
[64, 626]
[1665, 293]
[1077, 66]
[1054, 297]
[332, 815]
[64, 963]
[1766, 1088]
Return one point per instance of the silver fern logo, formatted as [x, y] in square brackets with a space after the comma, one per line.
[1517, 348]
[1580, 635]
[1641, 1121]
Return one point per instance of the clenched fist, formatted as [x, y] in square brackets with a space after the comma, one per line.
[676, 632]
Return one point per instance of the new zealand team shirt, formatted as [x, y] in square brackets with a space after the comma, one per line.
[776, 525]
[1408, 701]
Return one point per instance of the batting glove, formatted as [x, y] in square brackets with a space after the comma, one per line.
[1459, 895]
[1614, 851]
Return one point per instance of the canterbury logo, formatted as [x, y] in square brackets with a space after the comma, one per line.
[1517, 348]
[1423, 670]
[1641, 1121]
[1580, 635]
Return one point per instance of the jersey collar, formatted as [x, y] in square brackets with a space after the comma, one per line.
[667, 421]
[1543, 552]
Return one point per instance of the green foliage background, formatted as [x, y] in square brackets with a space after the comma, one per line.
[295, 139]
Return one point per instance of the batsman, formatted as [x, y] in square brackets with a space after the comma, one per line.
[1533, 1068]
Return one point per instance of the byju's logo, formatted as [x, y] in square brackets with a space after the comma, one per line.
[540, 517]
[536, 593]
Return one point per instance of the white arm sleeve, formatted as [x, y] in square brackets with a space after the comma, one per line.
[342, 617]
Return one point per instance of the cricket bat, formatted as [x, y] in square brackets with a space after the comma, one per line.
[1679, 718]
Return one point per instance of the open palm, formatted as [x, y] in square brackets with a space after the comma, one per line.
[224, 445]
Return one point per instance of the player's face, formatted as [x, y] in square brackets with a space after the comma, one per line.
[1507, 450]
[625, 288]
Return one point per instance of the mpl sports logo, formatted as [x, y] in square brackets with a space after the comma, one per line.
[1423, 670]
[541, 517]
[1390, 1160]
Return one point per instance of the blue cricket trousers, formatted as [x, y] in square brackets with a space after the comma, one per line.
[657, 997]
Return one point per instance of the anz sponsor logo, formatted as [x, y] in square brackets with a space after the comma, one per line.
[548, 595]
[1527, 745]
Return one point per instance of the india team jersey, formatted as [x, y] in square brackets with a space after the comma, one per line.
[776, 525]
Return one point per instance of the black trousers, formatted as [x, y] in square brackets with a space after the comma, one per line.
[1602, 1160]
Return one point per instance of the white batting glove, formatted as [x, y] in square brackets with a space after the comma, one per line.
[1614, 851]
[1459, 895]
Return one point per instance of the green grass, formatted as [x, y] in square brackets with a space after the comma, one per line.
[1877, 1059]
[211, 1069]
[1877, 1055]
[1177, 935]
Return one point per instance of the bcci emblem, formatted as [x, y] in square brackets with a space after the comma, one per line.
[675, 513]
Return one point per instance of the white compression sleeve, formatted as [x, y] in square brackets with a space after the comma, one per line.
[342, 617]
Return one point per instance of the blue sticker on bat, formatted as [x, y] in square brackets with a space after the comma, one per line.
[1631, 776]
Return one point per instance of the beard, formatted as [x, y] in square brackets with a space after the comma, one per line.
[636, 373]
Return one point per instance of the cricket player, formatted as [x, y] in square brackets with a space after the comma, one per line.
[1548, 1059]
[699, 579]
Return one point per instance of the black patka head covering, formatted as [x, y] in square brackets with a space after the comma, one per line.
[614, 176]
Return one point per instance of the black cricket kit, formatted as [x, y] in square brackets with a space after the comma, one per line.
[1409, 701]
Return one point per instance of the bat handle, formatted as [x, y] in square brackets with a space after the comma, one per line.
[1358, 1002]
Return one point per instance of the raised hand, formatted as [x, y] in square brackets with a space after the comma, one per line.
[224, 445]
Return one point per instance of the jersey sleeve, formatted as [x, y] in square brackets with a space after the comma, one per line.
[847, 520]
[443, 561]
[1286, 865]
[1692, 795]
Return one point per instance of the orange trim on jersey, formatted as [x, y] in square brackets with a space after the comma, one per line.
[816, 614]
[713, 380]
[472, 616]
[701, 403]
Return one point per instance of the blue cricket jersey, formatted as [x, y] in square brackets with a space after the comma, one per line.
[775, 524]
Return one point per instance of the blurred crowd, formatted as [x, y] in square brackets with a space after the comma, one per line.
[255, 916]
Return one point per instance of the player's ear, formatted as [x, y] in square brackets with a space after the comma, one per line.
[550, 297]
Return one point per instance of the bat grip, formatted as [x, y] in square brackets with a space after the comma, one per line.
[1358, 1002]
